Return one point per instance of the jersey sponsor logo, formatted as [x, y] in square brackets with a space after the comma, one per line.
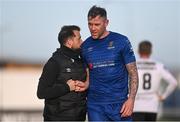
[111, 46]
[146, 63]
[104, 65]
[146, 68]
[101, 64]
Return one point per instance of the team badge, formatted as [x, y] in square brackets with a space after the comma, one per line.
[111, 45]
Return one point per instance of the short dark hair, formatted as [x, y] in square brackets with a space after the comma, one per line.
[67, 32]
[145, 47]
[95, 11]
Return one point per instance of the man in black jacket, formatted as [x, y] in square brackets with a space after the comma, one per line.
[60, 77]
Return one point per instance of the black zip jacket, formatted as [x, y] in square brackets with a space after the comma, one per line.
[60, 103]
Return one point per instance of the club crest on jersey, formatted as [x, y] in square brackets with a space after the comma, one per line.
[68, 69]
[111, 45]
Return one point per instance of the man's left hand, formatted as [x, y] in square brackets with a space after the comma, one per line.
[127, 108]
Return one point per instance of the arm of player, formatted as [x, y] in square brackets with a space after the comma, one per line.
[128, 106]
[172, 83]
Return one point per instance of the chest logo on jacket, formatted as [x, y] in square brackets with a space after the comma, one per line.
[68, 70]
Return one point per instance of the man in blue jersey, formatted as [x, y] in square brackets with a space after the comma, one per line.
[110, 60]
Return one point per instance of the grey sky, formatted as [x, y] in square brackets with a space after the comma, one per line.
[29, 28]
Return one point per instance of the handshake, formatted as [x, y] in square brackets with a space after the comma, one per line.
[78, 86]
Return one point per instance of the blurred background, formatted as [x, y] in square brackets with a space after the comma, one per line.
[28, 36]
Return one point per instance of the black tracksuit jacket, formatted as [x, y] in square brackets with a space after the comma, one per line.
[60, 103]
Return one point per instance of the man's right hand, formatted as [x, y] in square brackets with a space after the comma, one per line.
[81, 86]
[71, 84]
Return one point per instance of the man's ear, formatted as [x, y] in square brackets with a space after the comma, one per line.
[69, 42]
[107, 22]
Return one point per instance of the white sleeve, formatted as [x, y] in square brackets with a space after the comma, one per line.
[172, 82]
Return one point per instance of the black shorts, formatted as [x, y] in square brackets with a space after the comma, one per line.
[144, 116]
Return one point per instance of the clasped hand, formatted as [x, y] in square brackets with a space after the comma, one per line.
[76, 85]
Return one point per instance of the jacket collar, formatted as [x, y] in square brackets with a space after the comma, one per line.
[75, 54]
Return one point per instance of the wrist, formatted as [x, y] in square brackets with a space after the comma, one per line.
[131, 97]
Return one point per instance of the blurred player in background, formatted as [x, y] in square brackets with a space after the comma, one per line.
[151, 73]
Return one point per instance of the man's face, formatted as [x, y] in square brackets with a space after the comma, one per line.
[97, 26]
[77, 41]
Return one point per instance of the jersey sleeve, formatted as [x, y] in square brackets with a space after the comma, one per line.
[172, 82]
[128, 52]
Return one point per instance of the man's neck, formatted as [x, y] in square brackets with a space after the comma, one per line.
[144, 56]
[106, 33]
[67, 45]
